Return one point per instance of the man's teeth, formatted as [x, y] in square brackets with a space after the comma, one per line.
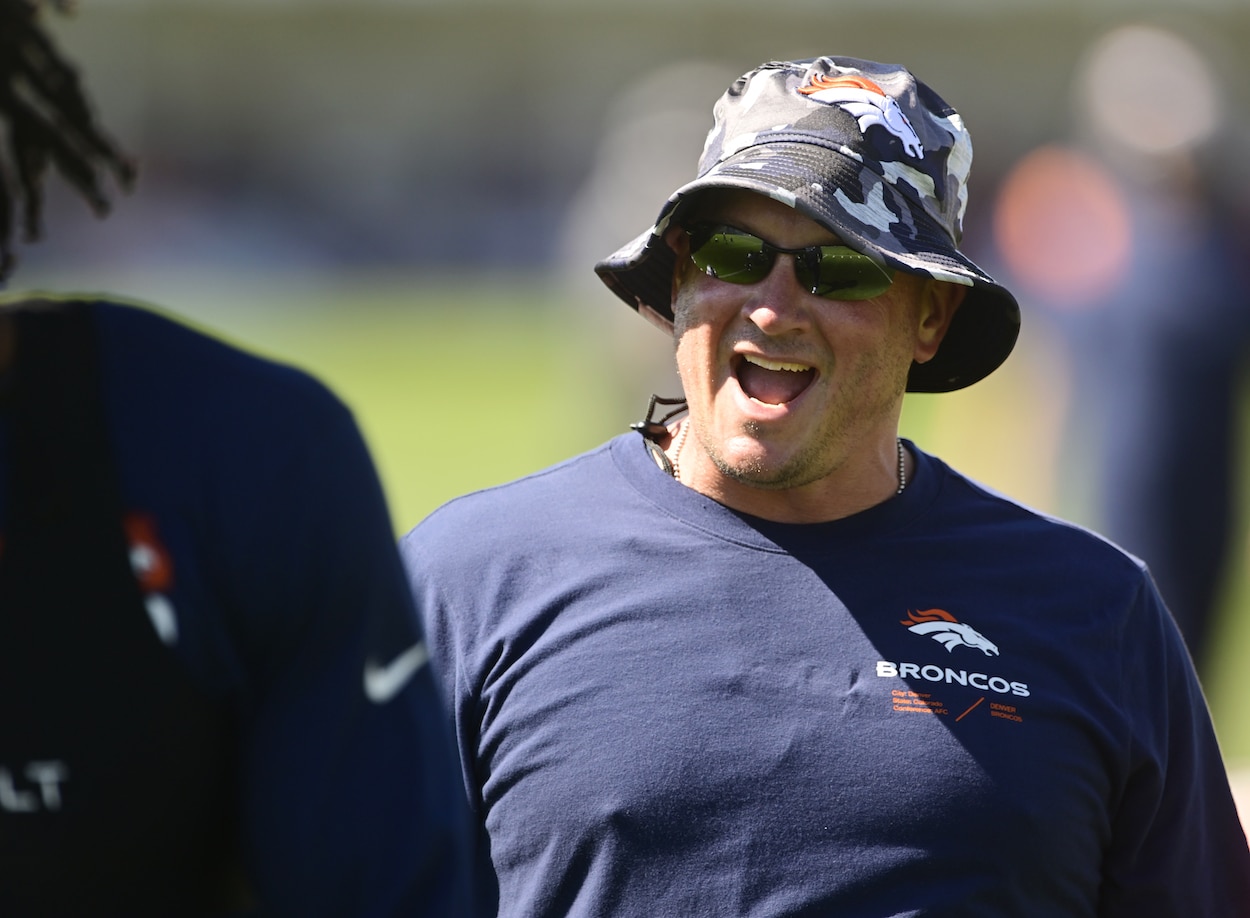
[775, 364]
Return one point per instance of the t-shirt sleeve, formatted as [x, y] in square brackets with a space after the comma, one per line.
[1178, 848]
[451, 628]
[352, 800]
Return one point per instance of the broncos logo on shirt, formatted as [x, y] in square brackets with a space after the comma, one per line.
[869, 104]
[150, 561]
[948, 631]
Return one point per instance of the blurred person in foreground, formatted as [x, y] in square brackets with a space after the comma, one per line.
[770, 659]
[1134, 240]
[214, 692]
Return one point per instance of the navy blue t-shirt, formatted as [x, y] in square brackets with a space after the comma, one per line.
[263, 547]
[946, 705]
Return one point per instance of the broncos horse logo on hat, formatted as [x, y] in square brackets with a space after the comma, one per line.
[868, 103]
[884, 193]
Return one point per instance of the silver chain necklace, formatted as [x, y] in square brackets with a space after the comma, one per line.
[902, 467]
[678, 442]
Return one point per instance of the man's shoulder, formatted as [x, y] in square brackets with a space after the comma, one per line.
[184, 373]
[558, 489]
[148, 336]
[563, 501]
[1018, 529]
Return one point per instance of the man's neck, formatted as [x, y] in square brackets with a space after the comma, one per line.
[848, 490]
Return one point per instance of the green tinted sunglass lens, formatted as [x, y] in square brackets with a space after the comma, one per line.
[733, 257]
[844, 274]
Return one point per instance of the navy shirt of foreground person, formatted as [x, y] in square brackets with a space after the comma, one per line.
[215, 692]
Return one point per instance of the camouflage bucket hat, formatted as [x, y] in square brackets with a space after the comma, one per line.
[870, 153]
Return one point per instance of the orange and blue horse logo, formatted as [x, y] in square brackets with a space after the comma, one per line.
[868, 103]
[948, 631]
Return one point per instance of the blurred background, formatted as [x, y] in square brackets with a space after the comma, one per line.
[406, 197]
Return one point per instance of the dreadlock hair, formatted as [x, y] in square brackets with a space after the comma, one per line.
[49, 122]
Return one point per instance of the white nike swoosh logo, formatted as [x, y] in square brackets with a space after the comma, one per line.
[382, 683]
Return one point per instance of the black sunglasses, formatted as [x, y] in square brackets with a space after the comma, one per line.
[832, 271]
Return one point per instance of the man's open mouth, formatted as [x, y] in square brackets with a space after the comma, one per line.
[773, 382]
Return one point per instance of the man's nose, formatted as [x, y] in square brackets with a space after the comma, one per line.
[778, 303]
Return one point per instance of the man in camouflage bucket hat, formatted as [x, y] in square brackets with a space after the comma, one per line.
[771, 659]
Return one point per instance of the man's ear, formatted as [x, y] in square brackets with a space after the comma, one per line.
[939, 301]
[677, 239]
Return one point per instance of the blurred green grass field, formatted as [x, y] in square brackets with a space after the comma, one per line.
[458, 388]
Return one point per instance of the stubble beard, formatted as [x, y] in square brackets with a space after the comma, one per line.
[818, 457]
[803, 468]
